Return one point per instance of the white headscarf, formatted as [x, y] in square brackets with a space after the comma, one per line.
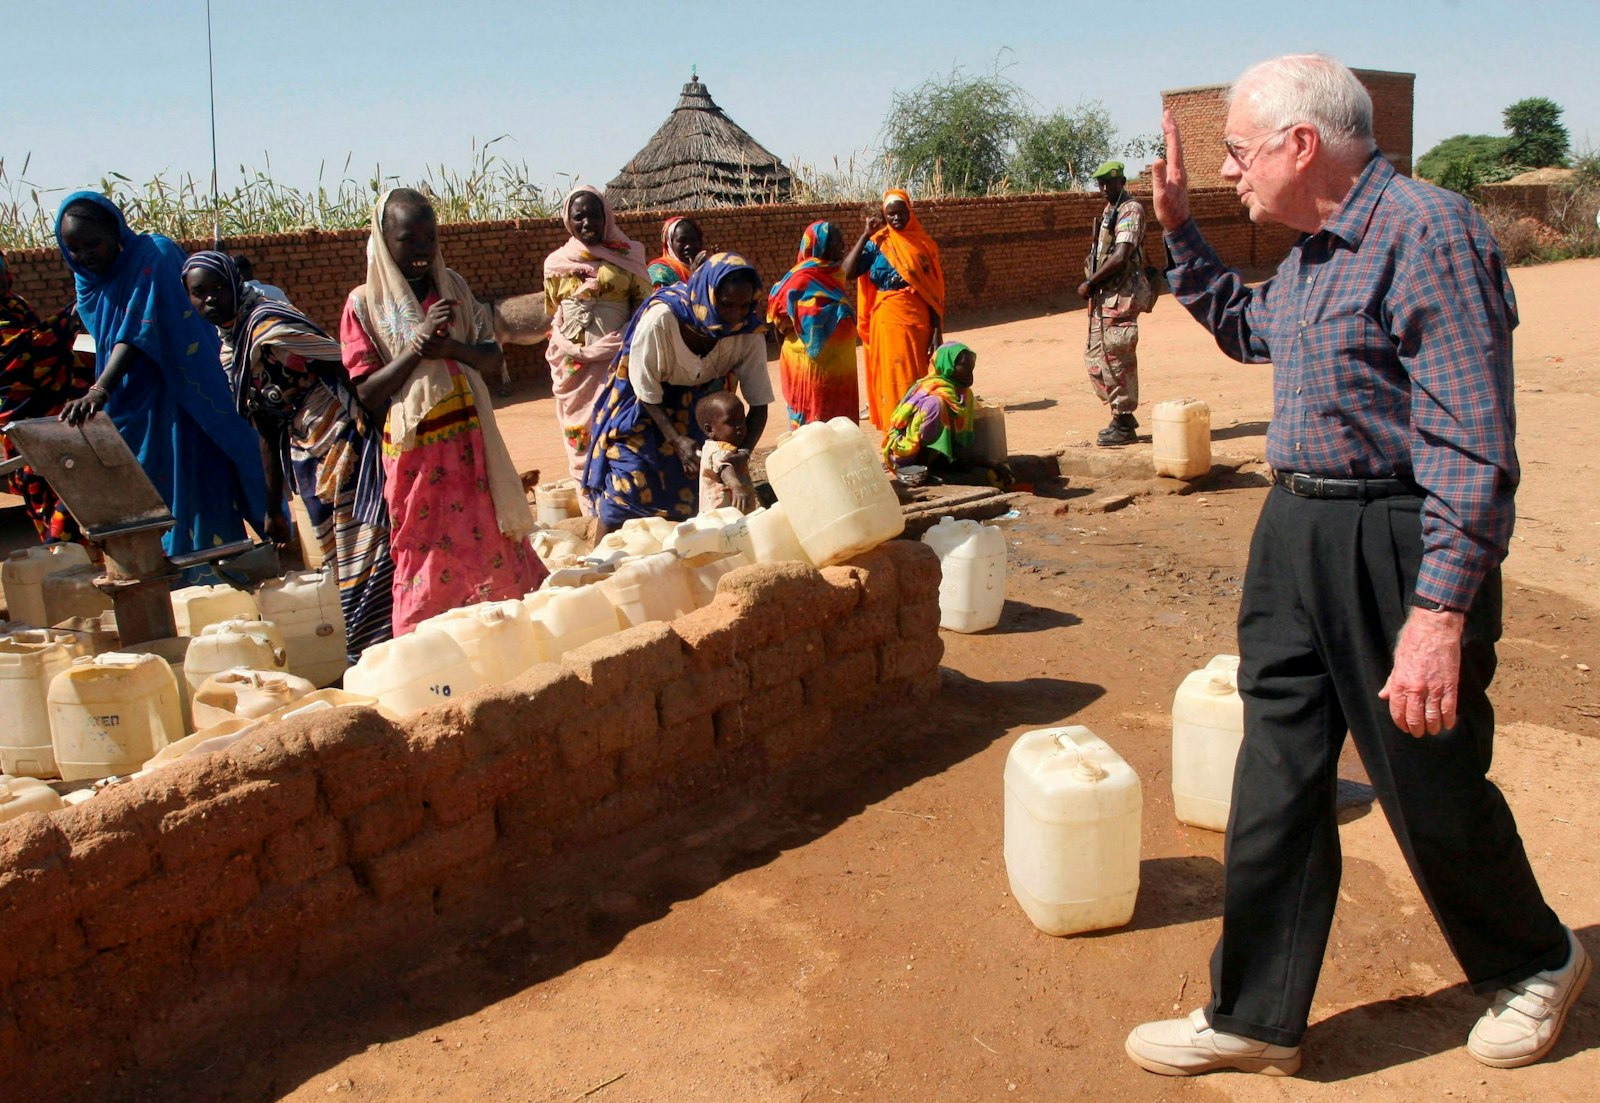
[389, 312]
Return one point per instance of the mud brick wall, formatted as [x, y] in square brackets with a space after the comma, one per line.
[1518, 200]
[142, 922]
[1004, 251]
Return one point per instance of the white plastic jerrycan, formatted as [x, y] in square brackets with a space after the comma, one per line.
[23, 572]
[498, 637]
[72, 593]
[208, 740]
[989, 431]
[972, 562]
[410, 673]
[567, 617]
[305, 607]
[87, 635]
[26, 671]
[194, 607]
[555, 501]
[650, 587]
[246, 693]
[21, 795]
[557, 548]
[704, 533]
[834, 490]
[638, 536]
[705, 571]
[1072, 811]
[255, 644]
[1180, 439]
[112, 713]
[77, 645]
[175, 651]
[766, 536]
[1207, 729]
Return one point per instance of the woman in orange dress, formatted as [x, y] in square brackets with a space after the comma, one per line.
[900, 291]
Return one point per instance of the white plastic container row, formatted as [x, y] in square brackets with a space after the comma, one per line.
[22, 575]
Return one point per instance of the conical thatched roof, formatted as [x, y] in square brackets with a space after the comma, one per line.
[700, 158]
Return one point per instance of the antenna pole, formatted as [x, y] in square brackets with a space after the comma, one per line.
[211, 70]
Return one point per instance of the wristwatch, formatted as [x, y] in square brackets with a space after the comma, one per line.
[1420, 602]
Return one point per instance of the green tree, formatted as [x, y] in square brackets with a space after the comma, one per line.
[1056, 152]
[1479, 152]
[1537, 137]
[957, 131]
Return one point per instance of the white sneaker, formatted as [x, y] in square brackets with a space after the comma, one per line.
[1189, 1047]
[1526, 1018]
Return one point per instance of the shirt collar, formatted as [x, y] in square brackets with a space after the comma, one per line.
[1350, 221]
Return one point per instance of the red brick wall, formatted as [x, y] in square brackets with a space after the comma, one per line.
[139, 924]
[997, 252]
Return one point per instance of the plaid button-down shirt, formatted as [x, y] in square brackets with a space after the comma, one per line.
[1389, 331]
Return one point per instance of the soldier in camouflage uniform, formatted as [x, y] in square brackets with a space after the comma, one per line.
[1118, 292]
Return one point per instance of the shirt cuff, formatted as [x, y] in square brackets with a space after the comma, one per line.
[1186, 244]
[1450, 580]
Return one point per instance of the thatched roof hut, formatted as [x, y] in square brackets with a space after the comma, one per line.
[700, 158]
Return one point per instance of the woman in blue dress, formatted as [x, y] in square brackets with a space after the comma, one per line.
[158, 376]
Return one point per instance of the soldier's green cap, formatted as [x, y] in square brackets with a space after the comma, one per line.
[1108, 169]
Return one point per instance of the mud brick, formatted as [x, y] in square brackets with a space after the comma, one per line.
[502, 719]
[712, 635]
[31, 842]
[774, 600]
[846, 588]
[903, 659]
[850, 677]
[691, 741]
[105, 856]
[434, 750]
[579, 744]
[735, 723]
[643, 658]
[269, 751]
[641, 761]
[920, 618]
[234, 821]
[786, 659]
[274, 921]
[615, 814]
[35, 887]
[702, 693]
[173, 1026]
[179, 899]
[404, 918]
[867, 627]
[777, 705]
[41, 949]
[526, 819]
[878, 576]
[308, 849]
[363, 776]
[795, 739]
[916, 568]
[385, 824]
[13, 1049]
[481, 785]
[335, 734]
[423, 859]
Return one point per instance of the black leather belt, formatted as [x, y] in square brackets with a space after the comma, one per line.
[1364, 490]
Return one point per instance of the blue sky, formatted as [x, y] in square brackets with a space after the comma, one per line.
[94, 86]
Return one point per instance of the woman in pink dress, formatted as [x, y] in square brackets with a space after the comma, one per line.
[416, 343]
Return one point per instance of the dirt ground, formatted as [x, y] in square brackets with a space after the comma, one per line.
[865, 945]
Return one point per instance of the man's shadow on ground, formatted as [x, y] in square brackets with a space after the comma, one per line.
[1388, 1033]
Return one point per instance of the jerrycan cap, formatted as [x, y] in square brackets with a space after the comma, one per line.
[5, 783]
[1220, 684]
[1087, 770]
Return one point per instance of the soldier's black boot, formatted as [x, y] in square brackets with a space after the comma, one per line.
[1120, 431]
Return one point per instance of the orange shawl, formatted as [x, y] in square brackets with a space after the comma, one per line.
[914, 255]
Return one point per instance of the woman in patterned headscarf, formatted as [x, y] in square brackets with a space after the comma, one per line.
[686, 341]
[812, 308]
[592, 286]
[415, 342]
[934, 424]
[38, 376]
[681, 243]
[288, 379]
[900, 284]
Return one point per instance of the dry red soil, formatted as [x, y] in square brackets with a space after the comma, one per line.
[865, 946]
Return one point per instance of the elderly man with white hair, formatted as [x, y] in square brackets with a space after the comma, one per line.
[1372, 597]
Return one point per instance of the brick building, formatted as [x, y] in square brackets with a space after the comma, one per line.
[1202, 110]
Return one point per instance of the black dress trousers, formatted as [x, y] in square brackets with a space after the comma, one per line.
[1325, 595]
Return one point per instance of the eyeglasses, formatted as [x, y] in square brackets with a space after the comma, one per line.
[1237, 147]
